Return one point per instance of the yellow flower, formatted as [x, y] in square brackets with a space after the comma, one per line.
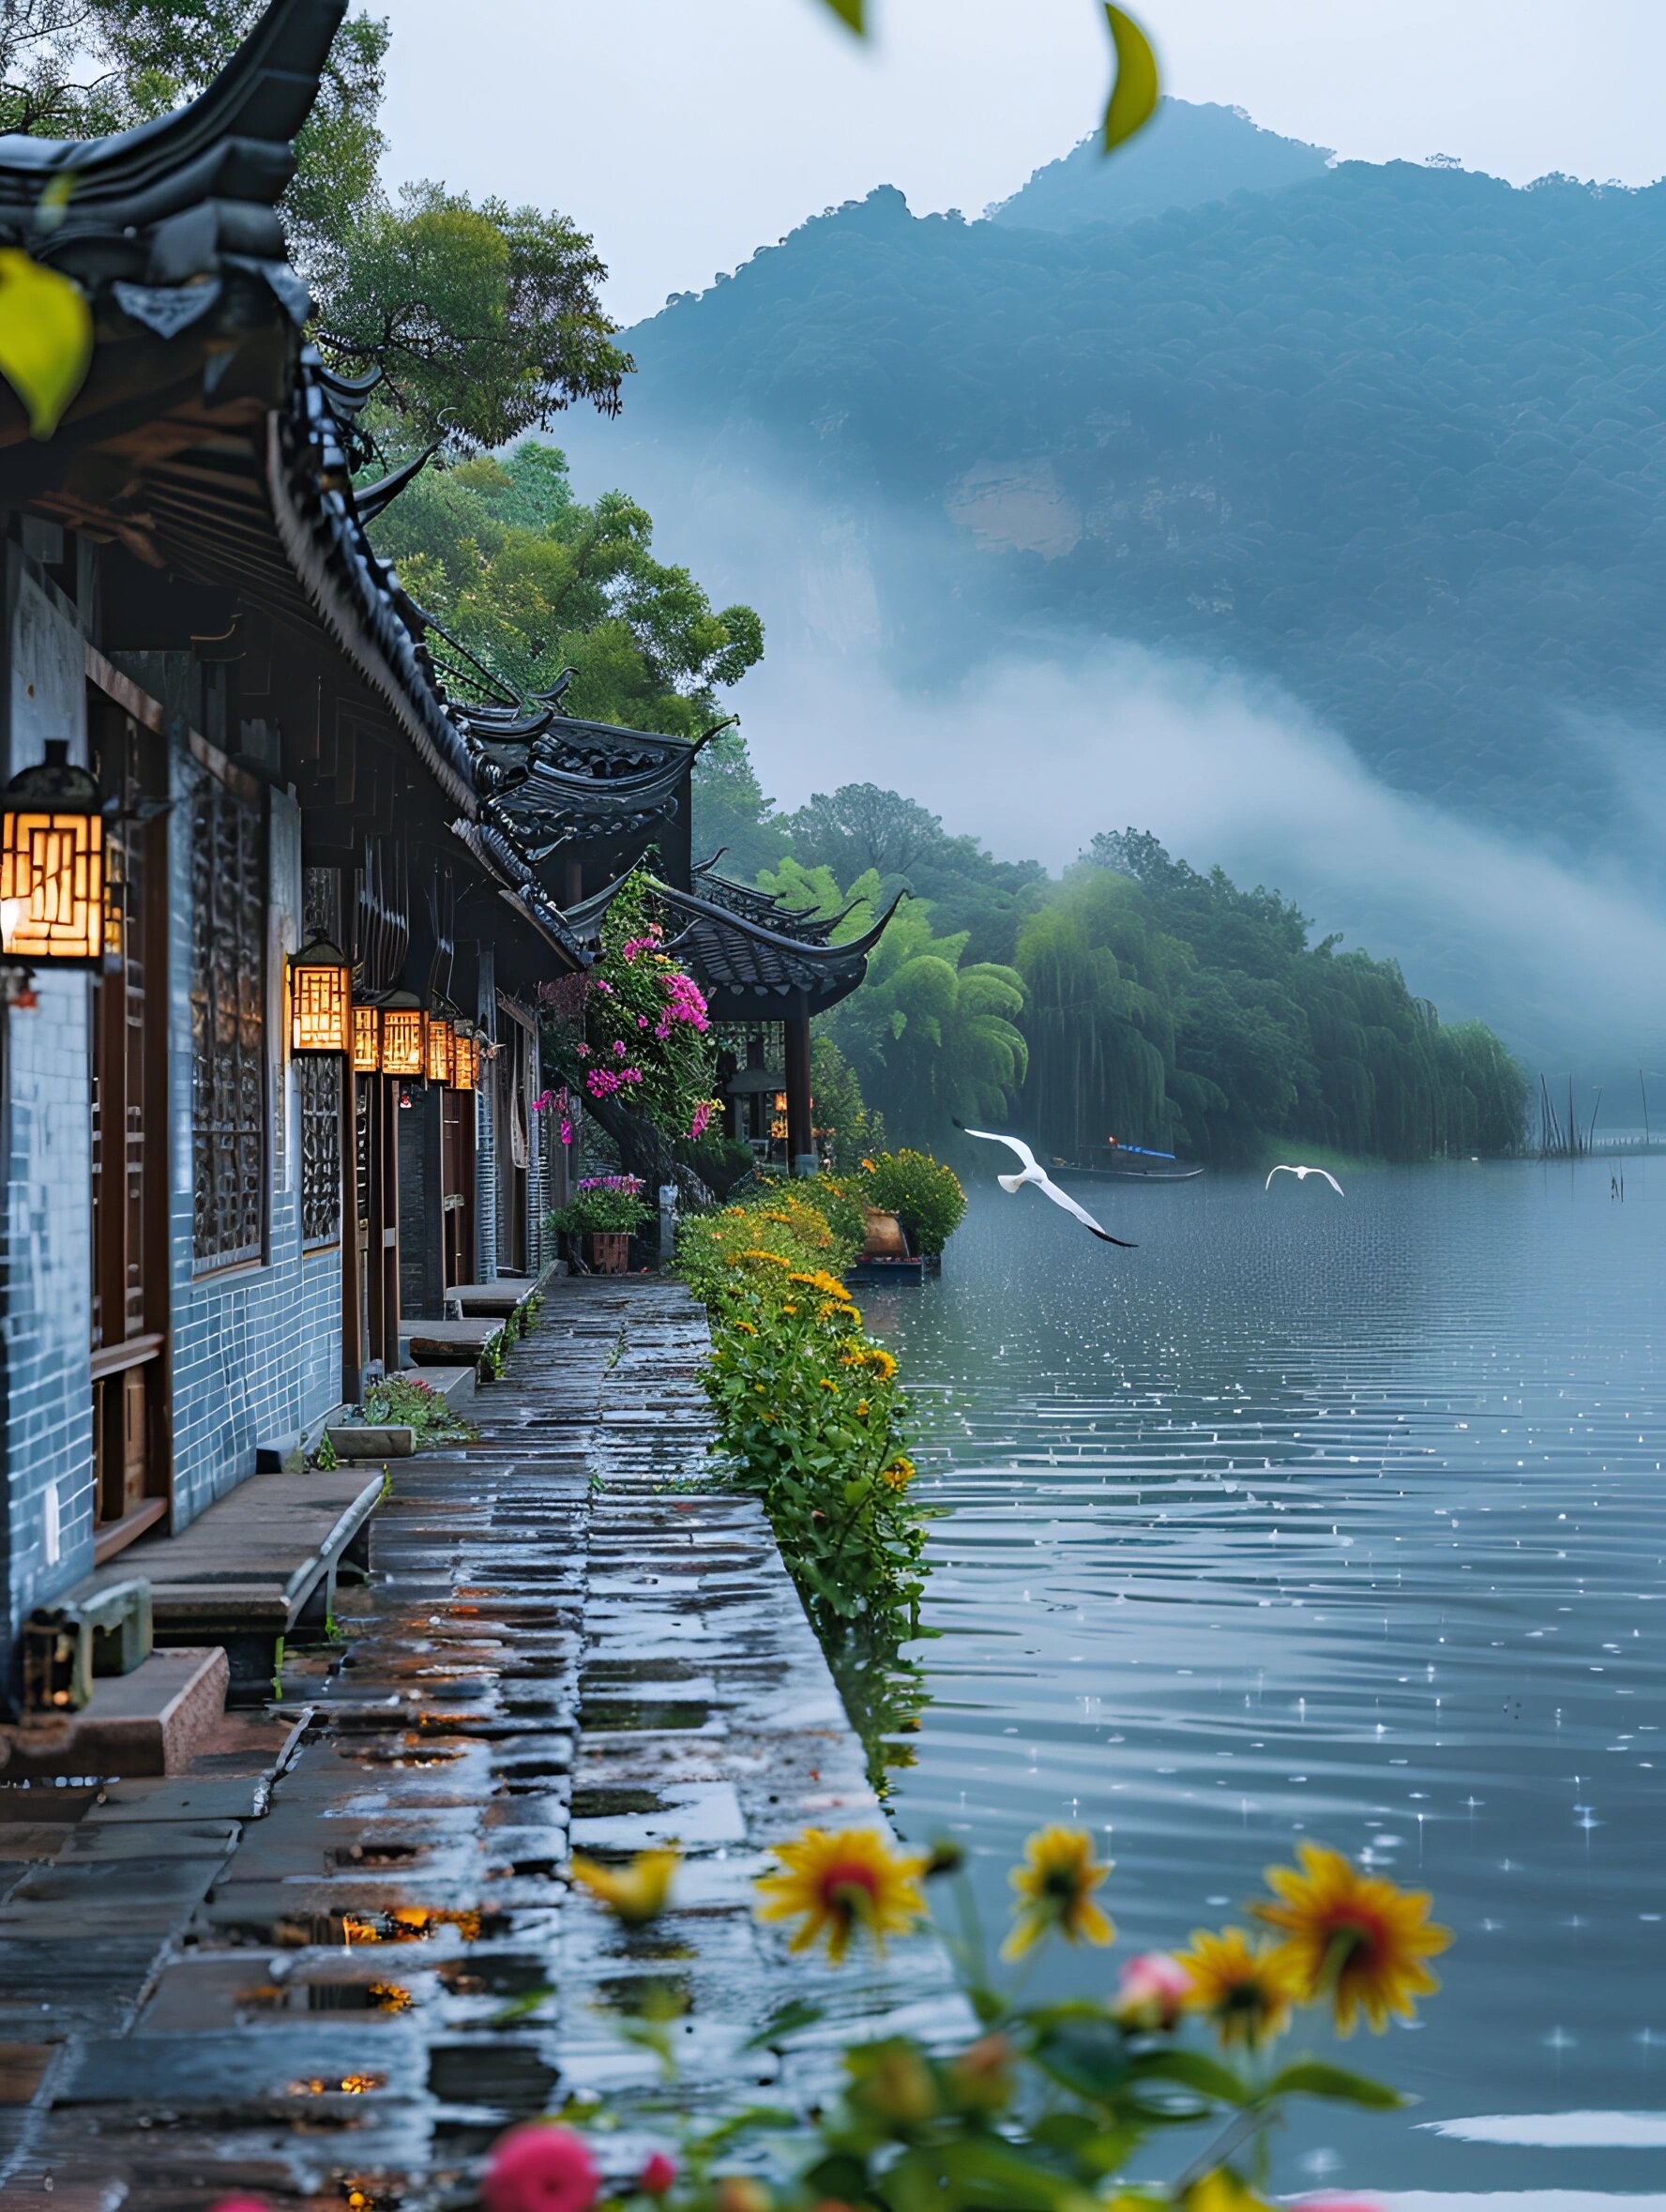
[1353, 1937]
[899, 1474]
[1056, 1886]
[1245, 1989]
[839, 1881]
[862, 1409]
[826, 1382]
[879, 1360]
[869, 1165]
[789, 1307]
[635, 1894]
[774, 1259]
[745, 1327]
[1222, 2192]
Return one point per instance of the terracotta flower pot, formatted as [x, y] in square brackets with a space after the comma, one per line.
[884, 1238]
[610, 1251]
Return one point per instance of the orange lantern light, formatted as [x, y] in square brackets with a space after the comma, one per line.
[367, 1040]
[320, 999]
[51, 864]
[441, 1039]
[465, 1060]
[403, 1025]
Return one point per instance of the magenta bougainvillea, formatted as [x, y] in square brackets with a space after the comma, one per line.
[637, 1032]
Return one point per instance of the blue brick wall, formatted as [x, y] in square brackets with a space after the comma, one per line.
[46, 1420]
[257, 1350]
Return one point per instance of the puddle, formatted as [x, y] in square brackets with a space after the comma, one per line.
[399, 1924]
[661, 1997]
[507, 1974]
[336, 2085]
[632, 1713]
[510, 2077]
[604, 1804]
[386, 1999]
[355, 1857]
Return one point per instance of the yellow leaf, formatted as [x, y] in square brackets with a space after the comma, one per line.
[54, 203]
[1134, 94]
[46, 338]
[850, 13]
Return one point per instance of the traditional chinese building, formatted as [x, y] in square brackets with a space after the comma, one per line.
[285, 872]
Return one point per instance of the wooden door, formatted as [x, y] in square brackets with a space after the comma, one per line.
[131, 1434]
[375, 1153]
[457, 1184]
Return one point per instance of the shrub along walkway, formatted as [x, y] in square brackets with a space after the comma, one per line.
[340, 1998]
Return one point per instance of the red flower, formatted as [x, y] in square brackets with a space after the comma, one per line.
[238, 2204]
[539, 2169]
[657, 2175]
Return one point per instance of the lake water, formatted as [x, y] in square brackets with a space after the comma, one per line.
[1340, 1517]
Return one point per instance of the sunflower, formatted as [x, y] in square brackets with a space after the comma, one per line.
[635, 1894]
[880, 1361]
[1353, 1937]
[899, 1474]
[1056, 1886]
[1247, 1990]
[838, 1881]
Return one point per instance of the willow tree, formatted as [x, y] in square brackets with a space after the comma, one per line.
[929, 1040]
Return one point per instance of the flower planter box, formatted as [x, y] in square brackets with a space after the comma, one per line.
[610, 1251]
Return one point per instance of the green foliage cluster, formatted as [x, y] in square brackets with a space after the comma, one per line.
[848, 1130]
[603, 1205]
[403, 1402]
[1386, 435]
[930, 1036]
[1168, 1007]
[530, 579]
[926, 1196]
[809, 1411]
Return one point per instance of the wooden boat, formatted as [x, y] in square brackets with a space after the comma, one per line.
[1131, 1164]
[1130, 1175]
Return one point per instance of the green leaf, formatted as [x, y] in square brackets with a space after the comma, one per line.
[1088, 2056]
[1311, 2077]
[851, 14]
[46, 338]
[1137, 88]
[1195, 2071]
[784, 2021]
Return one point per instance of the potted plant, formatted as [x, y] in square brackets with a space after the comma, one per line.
[607, 1210]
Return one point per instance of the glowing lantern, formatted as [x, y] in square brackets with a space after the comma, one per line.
[320, 999]
[465, 1059]
[441, 1037]
[367, 1040]
[402, 1026]
[51, 864]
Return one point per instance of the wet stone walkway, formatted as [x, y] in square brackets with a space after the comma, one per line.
[335, 1986]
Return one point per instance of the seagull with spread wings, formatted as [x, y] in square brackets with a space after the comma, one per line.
[1035, 1172]
[1301, 1173]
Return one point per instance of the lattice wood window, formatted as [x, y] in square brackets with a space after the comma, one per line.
[227, 1027]
[319, 1080]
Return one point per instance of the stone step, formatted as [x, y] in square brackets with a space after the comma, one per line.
[149, 1721]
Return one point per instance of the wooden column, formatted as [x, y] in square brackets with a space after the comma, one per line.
[801, 1157]
[354, 1256]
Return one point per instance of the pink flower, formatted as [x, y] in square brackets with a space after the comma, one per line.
[583, 1052]
[567, 1132]
[238, 2204]
[1151, 1992]
[657, 2175]
[539, 2169]
[618, 1049]
[702, 1113]
[642, 1021]
[543, 1102]
[604, 987]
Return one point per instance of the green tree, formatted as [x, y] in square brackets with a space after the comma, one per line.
[486, 318]
[531, 581]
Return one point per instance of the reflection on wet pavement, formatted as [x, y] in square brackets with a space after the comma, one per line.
[339, 1992]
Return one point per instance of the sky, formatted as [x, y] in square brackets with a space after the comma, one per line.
[685, 133]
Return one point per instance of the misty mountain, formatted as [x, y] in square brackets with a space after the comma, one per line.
[1187, 155]
[1388, 437]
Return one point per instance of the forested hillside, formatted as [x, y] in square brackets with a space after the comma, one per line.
[1187, 155]
[1391, 436]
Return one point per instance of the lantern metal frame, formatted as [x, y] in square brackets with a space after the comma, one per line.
[439, 1049]
[53, 866]
[404, 1037]
[465, 1057]
[321, 999]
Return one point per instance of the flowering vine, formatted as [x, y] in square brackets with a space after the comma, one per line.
[636, 1030]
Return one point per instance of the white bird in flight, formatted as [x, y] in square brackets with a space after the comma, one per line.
[1300, 1172]
[1035, 1172]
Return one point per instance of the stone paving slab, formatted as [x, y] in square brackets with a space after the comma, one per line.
[568, 1636]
